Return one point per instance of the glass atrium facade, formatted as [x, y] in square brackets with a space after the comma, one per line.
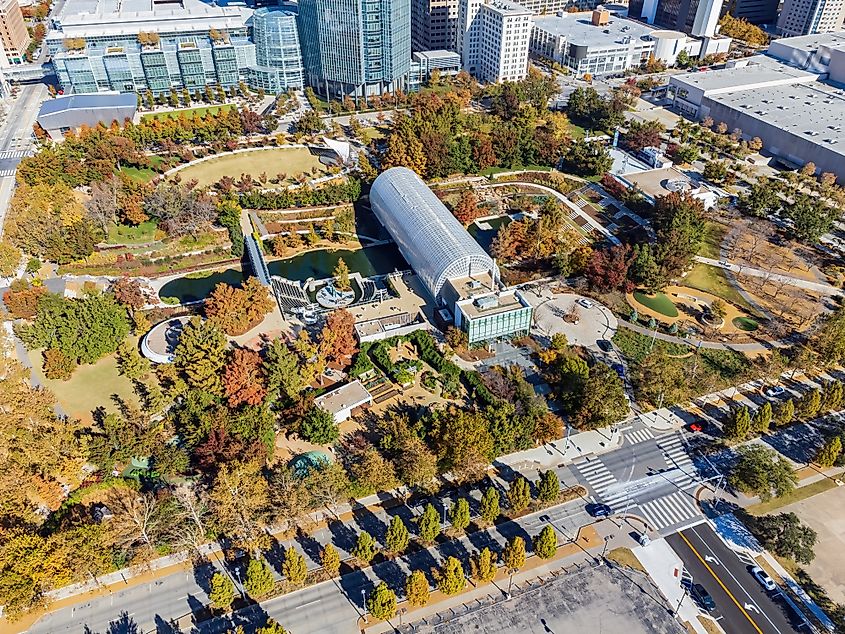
[277, 54]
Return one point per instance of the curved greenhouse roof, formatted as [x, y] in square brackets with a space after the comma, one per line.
[433, 242]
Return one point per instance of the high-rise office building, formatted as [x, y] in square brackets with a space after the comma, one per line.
[277, 55]
[755, 11]
[805, 17]
[13, 34]
[694, 17]
[434, 25]
[356, 47]
[494, 39]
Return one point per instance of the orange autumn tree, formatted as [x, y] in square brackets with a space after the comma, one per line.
[244, 379]
[466, 210]
[237, 310]
[337, 339]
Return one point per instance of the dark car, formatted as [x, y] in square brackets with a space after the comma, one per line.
[702, 597]
[598, 510]
[604, 345]
[619, 369]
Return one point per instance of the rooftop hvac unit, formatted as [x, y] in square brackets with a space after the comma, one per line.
[488, 301]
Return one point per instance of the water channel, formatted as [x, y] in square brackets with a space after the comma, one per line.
[319, 264]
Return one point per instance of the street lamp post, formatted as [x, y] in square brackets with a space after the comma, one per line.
[364, 602]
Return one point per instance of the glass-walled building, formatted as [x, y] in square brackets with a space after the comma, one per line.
[134, 45]
[356, 47]
[277, 54]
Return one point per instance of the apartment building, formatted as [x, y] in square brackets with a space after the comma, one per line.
[807, 17]
[13, 34]
[495, 37]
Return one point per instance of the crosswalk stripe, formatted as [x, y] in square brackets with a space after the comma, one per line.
[641, 435]
[669, 510]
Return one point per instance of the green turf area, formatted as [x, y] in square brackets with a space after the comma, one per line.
[658, 302]
[143, 174]
[188, 112]
[712, 279]
[128, 234]
[290, 161]
[368, 134]
[91, 386]
[711, 243]
[577, 131]
[745, 323]
[798, 494]
[636, 346]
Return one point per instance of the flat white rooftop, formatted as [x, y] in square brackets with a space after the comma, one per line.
[578, 29]
[814, 111]
[506, 7]
[764, 72]
[813, 42]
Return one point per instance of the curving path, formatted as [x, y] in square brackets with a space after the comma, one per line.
[765, 346]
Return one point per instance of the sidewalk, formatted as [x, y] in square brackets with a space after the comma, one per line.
[566, 450]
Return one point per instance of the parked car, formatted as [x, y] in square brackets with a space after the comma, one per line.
[586, 303]
[619, 369]
[604, 345]
[696, 426]
[702, 597]
[774, 391]
[596, 509]
[763, 578]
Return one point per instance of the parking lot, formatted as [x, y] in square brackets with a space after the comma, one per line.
[594, 600]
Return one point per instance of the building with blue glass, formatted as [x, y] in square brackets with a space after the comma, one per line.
[277, 53]
[135, 45]
[356, 47]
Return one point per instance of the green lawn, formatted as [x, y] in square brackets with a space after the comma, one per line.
[636, 347]
[798, 494]
[711, 243]
[91, 386]
[658, 302]
[291, 161]
[128, 234]
[188, 112]
[146, 174]
[577, 131]
[746, 323]
[368, 134]
[712, 279]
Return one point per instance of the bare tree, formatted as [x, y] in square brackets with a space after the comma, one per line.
[102, 206]
[181, 209]
[139, 520]
[192, 530]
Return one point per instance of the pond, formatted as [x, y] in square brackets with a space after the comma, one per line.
[485, 236]
[319, 264]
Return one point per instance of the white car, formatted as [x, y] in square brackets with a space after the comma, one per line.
[765, 580]
[774, 391]
[586, 303]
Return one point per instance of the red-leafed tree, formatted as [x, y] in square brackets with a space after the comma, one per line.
[466, 210]
[243, 379]
[607, 269]
[21, 299]
[128, 292]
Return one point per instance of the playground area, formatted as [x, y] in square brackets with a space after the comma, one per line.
[270, 163]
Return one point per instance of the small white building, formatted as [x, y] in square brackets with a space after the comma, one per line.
[341, 402]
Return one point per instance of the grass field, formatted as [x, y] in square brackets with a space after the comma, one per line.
[291, 161]
[801, 493]
[368, 134]
[712, 279]
[711, 243]
[188, 112]
[91, 386]
[746, 324]
[146, 174]
[658, 302]
[127, 234]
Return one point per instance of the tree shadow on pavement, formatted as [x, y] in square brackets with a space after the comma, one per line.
[370, 522]
[310, 546]
[343, 535]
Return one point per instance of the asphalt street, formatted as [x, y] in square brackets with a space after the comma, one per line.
[742, 605]
[16, 139]
[334, 606]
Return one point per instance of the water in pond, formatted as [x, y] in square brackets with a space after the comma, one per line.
[485, 237]
[320, 264]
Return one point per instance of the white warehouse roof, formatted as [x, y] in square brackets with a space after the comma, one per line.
[433, 242]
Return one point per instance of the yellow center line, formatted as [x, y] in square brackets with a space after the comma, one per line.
[719, 581]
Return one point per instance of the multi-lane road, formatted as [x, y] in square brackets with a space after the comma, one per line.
[16, 139]
[743, 606]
